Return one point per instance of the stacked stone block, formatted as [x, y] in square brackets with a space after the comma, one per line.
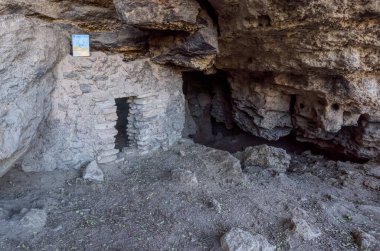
[87, 116]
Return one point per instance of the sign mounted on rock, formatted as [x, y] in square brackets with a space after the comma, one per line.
[81, 45]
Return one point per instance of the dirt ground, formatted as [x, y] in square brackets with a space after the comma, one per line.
[141, 205]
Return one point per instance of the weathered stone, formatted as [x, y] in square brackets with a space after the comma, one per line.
[366, 241]
[372, 169]
[73, 118]
[198, 51]
[91, 16]
[302, 229]
[160, 15]
[216, 206]
[237, 239]
[34, 219]
[107, 159]
[298, 37]
[26, 81]
[294, 67]
[266, 157]
[93, 172]
[125, 40]
[372, 182]
[184, 176]
[85, 88]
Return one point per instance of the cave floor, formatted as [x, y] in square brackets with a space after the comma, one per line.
[141, 207]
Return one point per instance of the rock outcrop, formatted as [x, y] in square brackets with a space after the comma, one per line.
[29, 51]
[307, 66]
[182, 33]
[175, 15]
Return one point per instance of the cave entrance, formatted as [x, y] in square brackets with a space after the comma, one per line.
[210, 120]
[122, 111]
[209, 107]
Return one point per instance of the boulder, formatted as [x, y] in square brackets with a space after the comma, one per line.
[34, 219]
[302, 229]
[366, 241]
[268, 157]
[92, 172]
[26, 81]
[237, 239]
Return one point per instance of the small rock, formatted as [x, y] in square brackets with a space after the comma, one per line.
[93, 173]
[183, 141]
[216, 205]
[265, 156]
[304, 230]
[372, 170]
[301, 227]
[58, 228]
[70, 75]
[34, 219]
[371, 182]
[182, 153]
[184, 176]
[119, 160]
[239, 240]
[85, 88]
[366, 241]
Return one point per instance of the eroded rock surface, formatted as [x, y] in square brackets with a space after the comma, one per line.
[239, 240]
[29, 51]
[160, 15]
[310, 66]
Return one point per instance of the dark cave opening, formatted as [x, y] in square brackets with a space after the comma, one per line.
[206, 5]
[122, 111]
[210, 119]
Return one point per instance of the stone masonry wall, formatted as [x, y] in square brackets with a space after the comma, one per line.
[81, 125]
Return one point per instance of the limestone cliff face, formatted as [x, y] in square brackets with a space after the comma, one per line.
[309, 67]
[27, 56]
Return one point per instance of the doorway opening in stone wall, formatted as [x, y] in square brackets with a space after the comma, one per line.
[122, 111]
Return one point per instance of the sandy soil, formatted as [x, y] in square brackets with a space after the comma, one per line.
[142, 206]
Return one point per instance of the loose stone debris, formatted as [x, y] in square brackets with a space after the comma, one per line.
[93, 172]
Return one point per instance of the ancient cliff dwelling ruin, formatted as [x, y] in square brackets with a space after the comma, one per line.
[193, 125]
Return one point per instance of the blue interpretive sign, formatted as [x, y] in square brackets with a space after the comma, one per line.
[81, 45]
